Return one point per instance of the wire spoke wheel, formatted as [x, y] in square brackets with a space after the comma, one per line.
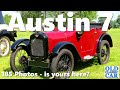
[19, 60]
[63, 64]
[4, 46]
[104, 52]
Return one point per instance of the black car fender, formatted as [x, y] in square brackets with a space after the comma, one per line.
[8, 34]
[64, 45]
[104, 36]
[20, 41]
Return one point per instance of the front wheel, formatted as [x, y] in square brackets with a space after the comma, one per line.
[104, 54]
[19, 60]
[4, 46]
[62, 65]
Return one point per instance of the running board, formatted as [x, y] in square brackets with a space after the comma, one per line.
[88, 57]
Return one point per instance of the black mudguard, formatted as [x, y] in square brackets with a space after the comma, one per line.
[11, 35]
[61, 45]
[20, 41]
[107, 37]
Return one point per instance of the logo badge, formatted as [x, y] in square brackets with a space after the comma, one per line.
[111, 72]
[36, 35]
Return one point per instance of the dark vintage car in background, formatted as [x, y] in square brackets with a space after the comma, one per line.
[5, 38]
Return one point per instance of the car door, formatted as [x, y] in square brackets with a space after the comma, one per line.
[86, 43]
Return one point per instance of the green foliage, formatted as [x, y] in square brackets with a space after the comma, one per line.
[118, 19]
[113, 23]
[101, 19]
[86, 14]
[54, 14]
[80, 14]
[31, 14]
[116, 23]
[76, 14]
[7, 18]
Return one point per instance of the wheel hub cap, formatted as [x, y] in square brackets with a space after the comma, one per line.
[103, 52]
[23, 60]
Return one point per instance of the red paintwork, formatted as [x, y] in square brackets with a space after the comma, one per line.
[86, 45]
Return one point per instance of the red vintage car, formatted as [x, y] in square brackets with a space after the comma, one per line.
[59, 50]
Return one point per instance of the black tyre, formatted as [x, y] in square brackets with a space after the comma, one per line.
[4, 46]
[19, 60]
[63, 64]
[104, 55]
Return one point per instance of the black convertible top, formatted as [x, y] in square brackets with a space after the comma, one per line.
[96, 25]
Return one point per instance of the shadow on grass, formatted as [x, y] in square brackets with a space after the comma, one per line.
[82, 65]
[41, 72]
[78, 66]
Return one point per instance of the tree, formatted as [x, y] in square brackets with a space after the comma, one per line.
[113, 22]
[78, 14]
[54, 14]
[7, 18]
[31, 14]
[101, 19]
[91, 15]
[118, 22]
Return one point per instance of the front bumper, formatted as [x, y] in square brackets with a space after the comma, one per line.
[39, 63]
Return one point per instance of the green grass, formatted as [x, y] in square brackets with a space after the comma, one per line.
[92, 66]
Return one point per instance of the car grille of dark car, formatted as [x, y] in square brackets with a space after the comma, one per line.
[37, 47]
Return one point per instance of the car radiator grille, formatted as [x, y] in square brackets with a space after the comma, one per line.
[37, 47]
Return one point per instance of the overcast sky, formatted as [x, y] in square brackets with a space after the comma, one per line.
[115, 13]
